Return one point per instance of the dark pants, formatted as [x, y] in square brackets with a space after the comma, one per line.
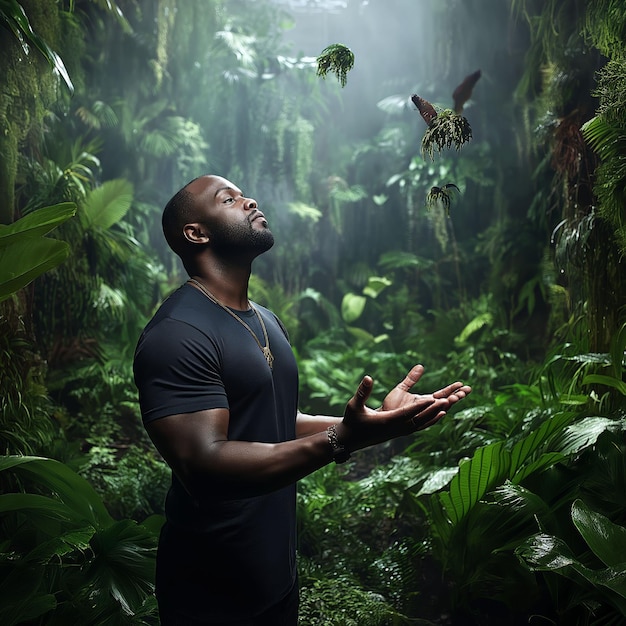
[285, 613]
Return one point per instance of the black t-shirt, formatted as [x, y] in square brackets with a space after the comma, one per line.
[221, 558]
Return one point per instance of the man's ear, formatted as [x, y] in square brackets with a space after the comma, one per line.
[196, 233]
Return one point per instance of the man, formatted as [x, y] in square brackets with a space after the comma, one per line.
[218, 389]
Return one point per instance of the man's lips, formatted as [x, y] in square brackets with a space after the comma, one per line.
[258, 215]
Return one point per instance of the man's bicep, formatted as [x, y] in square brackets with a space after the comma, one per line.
[184, 440]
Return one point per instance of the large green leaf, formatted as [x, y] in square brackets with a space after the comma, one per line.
[23, 261]
[608, 381]
[124, 563]
[584, 433]
[13, 17]
[492, 464]
[60, 545]
[541, 463]
[25, 253]
[524, 449]
[106, 205]
[375, 284]
[488, 467]
[606, 539]
[37, 223]
[81, 500]
[34, 506]
[549, 553]
[352, 306]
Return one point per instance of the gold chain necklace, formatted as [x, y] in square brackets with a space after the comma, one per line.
[267, 353]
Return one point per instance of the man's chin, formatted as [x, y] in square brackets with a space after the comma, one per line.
[265, 240]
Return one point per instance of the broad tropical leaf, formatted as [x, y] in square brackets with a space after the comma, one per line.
[376, 284]
[352, 306]
[106, 205]
[524, 449]
[73, 491]
[584, 433]
[124, 563]
[39, 222]
[548, 553]
[25, 253]
[606, 539]
[21, 263]
[487, 468]
[607, 381]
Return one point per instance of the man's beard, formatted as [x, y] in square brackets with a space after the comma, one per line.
[237, 239]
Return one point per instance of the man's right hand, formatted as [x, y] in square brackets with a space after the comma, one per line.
[402, 412]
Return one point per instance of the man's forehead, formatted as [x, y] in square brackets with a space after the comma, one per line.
[209, 184]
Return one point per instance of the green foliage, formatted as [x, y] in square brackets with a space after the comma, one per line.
[26, 253]
[26, 424]
[15, 19]
[426, 527]
[605, 24]
[106, 205]
[339, 601]
[516, 479]
[64, 557]
[336, 517]
[446, 130]
[128, 478]
[606, 585]
[338, 59]
[606, 134]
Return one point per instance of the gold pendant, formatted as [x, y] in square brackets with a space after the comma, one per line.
[269, 357]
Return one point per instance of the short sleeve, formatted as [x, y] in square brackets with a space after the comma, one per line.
[177, 370]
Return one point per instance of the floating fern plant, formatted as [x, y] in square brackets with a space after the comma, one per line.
[445, 128]
[338, 59]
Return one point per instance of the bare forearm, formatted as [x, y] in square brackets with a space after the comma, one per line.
[236, 469]
[311, 424]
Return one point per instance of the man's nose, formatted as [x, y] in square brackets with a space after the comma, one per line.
[251, 203]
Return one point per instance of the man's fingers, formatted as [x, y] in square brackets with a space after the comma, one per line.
[363, 391]
[423, 423]
[454, 388]
[411, 378]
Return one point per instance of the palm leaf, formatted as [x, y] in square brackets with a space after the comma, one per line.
[492, 464]
[488, 467]
[59, 546]
[523, 450]
[607, 381]
[106, 205]
[607, 140]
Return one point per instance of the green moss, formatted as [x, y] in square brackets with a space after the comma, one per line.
[29, 88]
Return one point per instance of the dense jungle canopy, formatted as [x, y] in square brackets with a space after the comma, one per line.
[498, 261]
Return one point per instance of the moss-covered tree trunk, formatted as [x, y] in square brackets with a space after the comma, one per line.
[28, 87]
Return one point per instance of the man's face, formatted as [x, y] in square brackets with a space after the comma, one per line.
[233, 221]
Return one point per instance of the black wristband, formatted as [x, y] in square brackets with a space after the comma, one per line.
[340, 454]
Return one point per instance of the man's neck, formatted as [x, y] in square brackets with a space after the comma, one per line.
[230, 288]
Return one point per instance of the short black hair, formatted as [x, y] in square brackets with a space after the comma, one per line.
[180, 210]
